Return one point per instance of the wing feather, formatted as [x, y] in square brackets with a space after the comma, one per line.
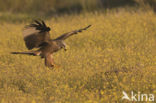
[36, 34]
[66, 35]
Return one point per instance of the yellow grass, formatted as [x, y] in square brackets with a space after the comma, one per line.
[117, 53]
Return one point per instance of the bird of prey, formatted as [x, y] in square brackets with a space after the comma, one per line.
[36, 35]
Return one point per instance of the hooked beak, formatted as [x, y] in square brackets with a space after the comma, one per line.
[65, 49]
[64, 46]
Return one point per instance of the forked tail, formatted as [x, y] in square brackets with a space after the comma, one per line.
[26, 53]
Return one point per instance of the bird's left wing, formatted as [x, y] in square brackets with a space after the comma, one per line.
[35, 34]
[66, 35]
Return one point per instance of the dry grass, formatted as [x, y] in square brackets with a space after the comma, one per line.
[117, 53]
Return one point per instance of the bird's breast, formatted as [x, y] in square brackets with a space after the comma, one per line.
[50, 48]
[54, 47]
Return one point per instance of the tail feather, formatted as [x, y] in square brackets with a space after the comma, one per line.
[27, 53]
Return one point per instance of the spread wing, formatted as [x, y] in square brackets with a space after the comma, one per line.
[66, 35]
[35, 34]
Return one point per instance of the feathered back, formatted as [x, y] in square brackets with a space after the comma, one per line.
[35, 34]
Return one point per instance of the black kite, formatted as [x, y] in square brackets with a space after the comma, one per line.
[36, 35]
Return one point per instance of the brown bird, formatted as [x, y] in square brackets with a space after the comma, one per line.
[36, 35]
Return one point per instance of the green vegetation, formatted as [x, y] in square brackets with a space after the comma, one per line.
[117, 53]
[52, 7]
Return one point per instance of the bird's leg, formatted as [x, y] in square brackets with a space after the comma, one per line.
[53, 64]
[49, 62]
[52, 60]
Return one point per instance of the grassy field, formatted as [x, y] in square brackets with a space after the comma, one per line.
[118, 53]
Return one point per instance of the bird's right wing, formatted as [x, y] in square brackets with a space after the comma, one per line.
[66, 35]
[35, 34]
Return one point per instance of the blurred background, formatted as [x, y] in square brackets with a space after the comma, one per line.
[11, 10]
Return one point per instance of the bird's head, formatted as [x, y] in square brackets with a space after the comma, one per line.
[64, 46]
